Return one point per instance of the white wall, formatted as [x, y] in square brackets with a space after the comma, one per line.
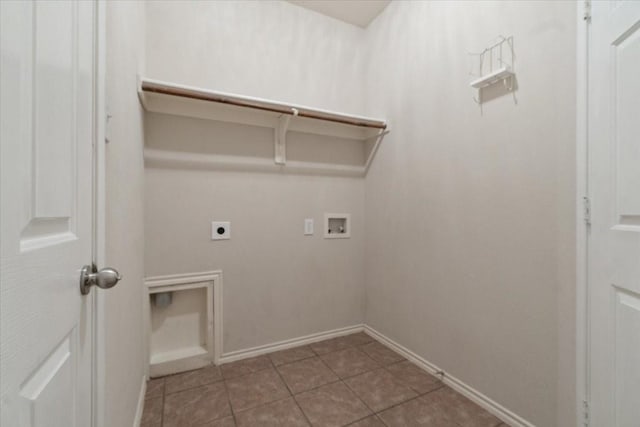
[470, 216]
[123, 323]
[278, 283]
[268, 49]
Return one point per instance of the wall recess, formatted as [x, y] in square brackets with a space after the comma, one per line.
[186, 333]
[337, 226]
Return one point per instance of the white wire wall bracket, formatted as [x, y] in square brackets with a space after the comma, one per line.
[493, 65]
[280, 140]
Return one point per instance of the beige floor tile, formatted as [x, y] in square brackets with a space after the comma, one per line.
[283, 413]
[328, 346]
[155, 388]
[460, 409]
[306, 375]
[191, 379]
[381, 353]
[152, 413]
[414, 377]
[196, 406]
[379, 389]
[332, 405]
[255, 389]
[349, 362]
[291, 355]
[223, 422]
[372, 421]
[246, 366]
[416, 413]
[359, 338]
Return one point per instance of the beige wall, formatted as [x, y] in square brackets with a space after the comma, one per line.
[123, 327]
[278, 283]
[470, 213]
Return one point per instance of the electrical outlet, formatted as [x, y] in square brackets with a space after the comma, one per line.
[220, 230]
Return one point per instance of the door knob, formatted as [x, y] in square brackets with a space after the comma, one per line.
[105, 278]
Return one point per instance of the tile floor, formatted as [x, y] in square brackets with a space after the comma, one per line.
[346, 381]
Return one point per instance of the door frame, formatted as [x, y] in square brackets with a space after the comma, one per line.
[99, 213]
[583, 28]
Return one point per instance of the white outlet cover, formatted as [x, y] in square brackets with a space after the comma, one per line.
[308, 227]
[220, 230]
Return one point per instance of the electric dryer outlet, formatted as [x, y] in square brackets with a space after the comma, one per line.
[220, 230]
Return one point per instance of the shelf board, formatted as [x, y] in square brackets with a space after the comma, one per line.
[180, 100]
[171, 98]
[491, 78]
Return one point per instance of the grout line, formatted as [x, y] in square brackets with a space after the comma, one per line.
[383, 421]
[311, 348]
[283, 381]
[326, 365]
[196, 386]
[233, 414]
[405, 401]
[315, 388]
[359, 373]
[358, 420]
[399, 403]
[164, 395]
[374, 415]
[358, 397]
[404, 383]
[295, 361]
[442, 385]
[291, 395]
[301, 410]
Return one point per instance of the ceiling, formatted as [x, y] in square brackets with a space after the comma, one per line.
[357, 12]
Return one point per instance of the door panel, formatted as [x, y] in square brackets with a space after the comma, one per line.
[627, 350]
[54, 56]
[626, 126]
[614, 238]
[46, 155]
[46, 393]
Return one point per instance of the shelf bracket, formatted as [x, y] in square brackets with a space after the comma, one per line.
[280, 147]
[373, 142]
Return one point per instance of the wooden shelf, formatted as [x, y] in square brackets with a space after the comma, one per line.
[180, 100]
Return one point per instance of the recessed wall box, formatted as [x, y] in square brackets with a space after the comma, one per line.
[187, 333]
[337, 226]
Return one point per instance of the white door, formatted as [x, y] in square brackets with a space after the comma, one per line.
[614, 241]
[47, 133]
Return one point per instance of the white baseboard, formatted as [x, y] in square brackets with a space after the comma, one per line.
[140, 408]
[490, 405]
[283, 345]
